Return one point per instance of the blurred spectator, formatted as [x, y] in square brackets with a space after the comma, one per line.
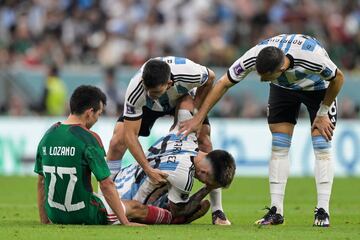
[213, 32]
[55, 93]
[115, 98]
[17, 106]
[227, 108]
[250, 107]
[348, 109]
[113, 33]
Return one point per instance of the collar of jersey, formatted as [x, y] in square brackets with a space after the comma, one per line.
[291, 58]
[172, 79]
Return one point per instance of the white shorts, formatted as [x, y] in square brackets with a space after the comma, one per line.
[110, 215]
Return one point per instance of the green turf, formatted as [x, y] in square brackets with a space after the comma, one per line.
[243, 203]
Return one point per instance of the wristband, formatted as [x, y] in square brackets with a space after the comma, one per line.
[323, 110]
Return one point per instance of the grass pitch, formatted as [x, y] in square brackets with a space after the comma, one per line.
[243, 204]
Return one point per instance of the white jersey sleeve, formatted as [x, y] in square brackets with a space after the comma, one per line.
[135, 98]
[244, 65]
[187, 73]
[180, 171]
[326, 68]
[180, 181]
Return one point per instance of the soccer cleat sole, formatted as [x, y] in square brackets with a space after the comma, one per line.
[221, 222]
[261, 223]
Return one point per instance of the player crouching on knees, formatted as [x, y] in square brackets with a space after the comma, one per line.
[181, 160]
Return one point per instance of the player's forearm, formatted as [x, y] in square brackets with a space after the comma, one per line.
[200, 194]
[41, 201]
[213, 97]
[333, 89]
[112, 198]
[134, 146]
[204, 90]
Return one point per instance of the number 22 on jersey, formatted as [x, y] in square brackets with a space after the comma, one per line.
[60, 171]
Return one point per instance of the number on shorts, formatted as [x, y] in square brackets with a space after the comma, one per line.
[333, 112]
[333, 109]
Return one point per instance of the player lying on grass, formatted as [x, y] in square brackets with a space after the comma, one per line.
[67, 155]
[181, 161]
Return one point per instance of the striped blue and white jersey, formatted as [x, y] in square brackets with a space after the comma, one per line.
[185, 74]
[171, 155]
[133, 184]
[310, 66]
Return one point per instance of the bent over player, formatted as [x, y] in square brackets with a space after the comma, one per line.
[182, 161]
[152, 93]
[300, 72]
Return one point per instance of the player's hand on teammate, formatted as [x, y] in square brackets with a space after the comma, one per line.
[325, 127]
[157, 176]
[189, 126]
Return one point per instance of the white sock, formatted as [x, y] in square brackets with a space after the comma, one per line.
[324, 172]
[114, 167]
[215, 200]
[279, 169]
[323, 201]
[277, 193]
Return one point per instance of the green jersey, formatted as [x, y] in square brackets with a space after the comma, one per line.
[66, 157]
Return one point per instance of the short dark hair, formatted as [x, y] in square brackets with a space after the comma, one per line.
[269, 59]
[155, 73]
[223, 165]
[86, 97]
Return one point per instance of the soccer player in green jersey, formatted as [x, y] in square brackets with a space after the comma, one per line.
[66, 156]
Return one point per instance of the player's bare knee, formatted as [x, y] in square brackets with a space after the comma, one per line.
[205, 144]
[187, 103]
[117, 141]
[117, 148]
[204, 140]
[118, 134]
[135, 210]
[284, 127]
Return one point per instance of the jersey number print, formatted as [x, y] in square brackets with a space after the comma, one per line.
[60, 171]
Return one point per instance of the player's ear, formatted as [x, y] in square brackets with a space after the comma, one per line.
[169, 83]
[283, 66]
[282, 69]
[89, 111]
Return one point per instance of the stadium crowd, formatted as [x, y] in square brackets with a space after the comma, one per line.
[112, 33]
